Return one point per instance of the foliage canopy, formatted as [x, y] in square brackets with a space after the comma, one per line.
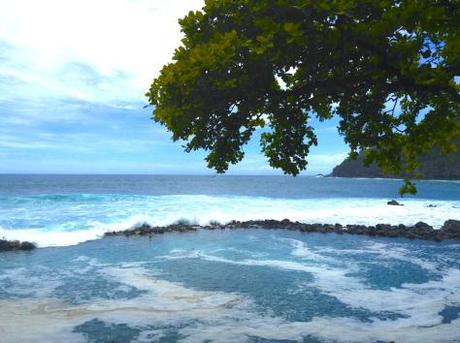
[387, 68]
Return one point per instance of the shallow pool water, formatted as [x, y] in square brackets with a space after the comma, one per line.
[233, 286]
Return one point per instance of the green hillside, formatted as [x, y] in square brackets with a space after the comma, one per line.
[434, 165]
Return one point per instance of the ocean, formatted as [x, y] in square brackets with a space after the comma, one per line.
[229, 285]
[59, 210]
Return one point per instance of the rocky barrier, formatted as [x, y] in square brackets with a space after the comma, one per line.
[421, 230]
[15, 245]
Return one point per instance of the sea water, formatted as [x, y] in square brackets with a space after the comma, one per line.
[230, 285]
[58, 210]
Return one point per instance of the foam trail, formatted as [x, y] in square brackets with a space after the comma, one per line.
[229, 316]
[419, 304]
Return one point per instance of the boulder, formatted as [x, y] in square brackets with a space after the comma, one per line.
[451, 225]
[27, 246]
[394, 203]
[423, 225]
[451, 229]
[15, 245]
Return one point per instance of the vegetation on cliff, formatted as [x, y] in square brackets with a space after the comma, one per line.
[433, 165]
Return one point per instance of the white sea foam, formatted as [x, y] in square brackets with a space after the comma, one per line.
[419, 304]
[45, 238]
[167, 303]
[38, 284]
[300, 249]
[230, 317]
[68, 224]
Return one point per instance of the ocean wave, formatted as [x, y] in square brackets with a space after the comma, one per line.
[61, 223]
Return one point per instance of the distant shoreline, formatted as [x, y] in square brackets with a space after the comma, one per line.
[388, 178]
[433, 165]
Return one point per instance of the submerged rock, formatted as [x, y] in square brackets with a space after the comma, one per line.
[15, 245]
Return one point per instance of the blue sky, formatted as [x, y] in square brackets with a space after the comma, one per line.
[72, 80]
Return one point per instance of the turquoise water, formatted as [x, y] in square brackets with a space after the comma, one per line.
[223, 286]
[233, 286]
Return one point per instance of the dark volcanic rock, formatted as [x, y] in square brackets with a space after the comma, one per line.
[394, 203]
[27, 246]
[452, 226]
[422, 225]
[15, 245]
[451, 229]
[421, 230]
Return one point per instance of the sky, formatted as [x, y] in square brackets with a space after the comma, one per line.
[73, 74]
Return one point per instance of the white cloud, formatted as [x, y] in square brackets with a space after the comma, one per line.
[58, 55]
[47, 165]
[80, 143]
[11, 142]
[104, 51]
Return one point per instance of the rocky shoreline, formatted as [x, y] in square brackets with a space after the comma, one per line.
[15, 245]
[450, 229]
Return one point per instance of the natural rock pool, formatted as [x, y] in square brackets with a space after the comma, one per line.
[233, 286]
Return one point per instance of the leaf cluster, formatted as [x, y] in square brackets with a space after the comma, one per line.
[388, 69]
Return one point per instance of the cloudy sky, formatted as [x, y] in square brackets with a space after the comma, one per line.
[73, 74]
